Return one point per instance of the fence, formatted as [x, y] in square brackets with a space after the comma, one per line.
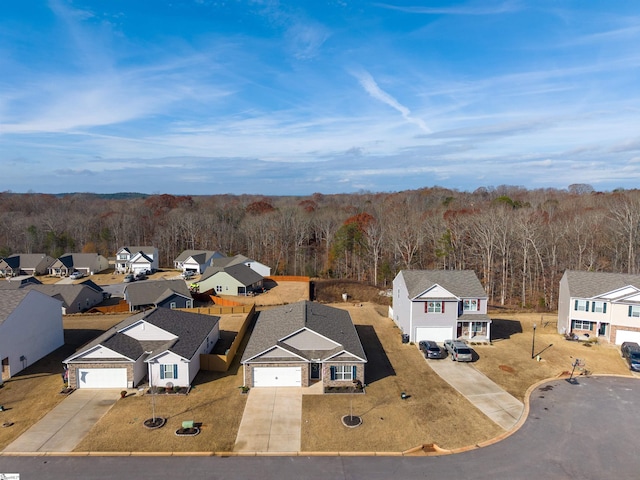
[221, 363]
[287, 278]
[121, 307]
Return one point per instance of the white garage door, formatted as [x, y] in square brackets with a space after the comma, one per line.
[437, 334]
[277, 376]
[102, 378]
[627, 336]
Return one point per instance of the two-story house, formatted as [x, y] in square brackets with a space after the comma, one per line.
[439, 305]
[599, 304]
[196, 261]
[136, 259]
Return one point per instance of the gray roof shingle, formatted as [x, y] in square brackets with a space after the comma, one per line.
[591, 284]
[150, 292]
[275, 324]
[462, 283]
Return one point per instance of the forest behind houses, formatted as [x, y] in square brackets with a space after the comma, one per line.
[518, 241]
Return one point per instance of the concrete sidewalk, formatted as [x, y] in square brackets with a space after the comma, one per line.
[66, 425]
[500, 406]
[271, 421]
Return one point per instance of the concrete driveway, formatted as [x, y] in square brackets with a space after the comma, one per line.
[65, 426]
[500, 406]
[271, 421]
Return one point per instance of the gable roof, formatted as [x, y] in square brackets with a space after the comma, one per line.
[78, 260]
[462, 283]
[10, 300]
[14, 283]
[592, 284]
[67, 293]
[276, 324]
[147, 250]
[149, 292]
[197, 254]
[243, 274]
[191, 329]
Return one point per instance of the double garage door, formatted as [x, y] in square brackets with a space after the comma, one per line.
[437, 334]
[102, 378]
[277, 376]
[627, 336]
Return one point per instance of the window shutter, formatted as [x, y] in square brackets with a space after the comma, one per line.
[175, 371]
[426, 307]
[355, 373]
[630, 308]
[161, 372]
[576, 306]
[478, 305]
[587, 309]
[333, 373]
[442, 307]
[604, 307]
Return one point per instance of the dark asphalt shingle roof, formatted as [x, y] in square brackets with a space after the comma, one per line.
[150, 292]
[191, 329]
[462, 283]
[591, 284]
[243, 274]
[275, 324]
[197, 255]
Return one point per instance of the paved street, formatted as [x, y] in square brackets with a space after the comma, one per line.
[573, 432]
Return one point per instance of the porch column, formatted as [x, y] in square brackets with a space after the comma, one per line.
[489, 331]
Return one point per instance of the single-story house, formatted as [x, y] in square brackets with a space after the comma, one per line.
[158, 293]
[195, 261]
[236, 279]
[160, 344]
[303, 343]
[254, 265]
[439, 305]
[25, 264]
[87, 263]
[30, 328]
[75, 298]
[136, 259]
[599, 304]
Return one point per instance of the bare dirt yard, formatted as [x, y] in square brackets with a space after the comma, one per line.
[36, 390]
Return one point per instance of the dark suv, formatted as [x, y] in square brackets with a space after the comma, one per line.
[631, 351]
[430, 349]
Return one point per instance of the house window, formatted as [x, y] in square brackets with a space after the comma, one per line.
[168, 371]
[172, 305]
[123, 256]
[634, 310]
[581, 306]
[189, 303]
[218, 288]
[343, 372]
[470, 305]
[599, 307]
[434, 307]
[581, 325]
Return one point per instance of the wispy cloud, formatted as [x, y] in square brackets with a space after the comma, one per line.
[372, 88]
[482, 8]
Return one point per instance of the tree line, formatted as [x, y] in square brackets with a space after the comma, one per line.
[518, 241]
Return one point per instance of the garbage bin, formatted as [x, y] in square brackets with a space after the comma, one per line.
[405, 338]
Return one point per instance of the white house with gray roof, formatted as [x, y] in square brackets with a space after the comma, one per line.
[303, 343]
[162, 345]
[196, 261]
[30, 328]
[439, 305]
[25, 264]
[599, 304]
[260, 268]
[87, 263]
[136, 259]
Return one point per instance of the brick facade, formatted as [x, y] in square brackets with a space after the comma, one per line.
[326, 374]
[73, 371]
[305, 381]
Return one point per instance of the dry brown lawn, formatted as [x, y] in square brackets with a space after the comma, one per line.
[434, 412]
[508, 360]
[279, 293]
[36, 390]
[214, 401]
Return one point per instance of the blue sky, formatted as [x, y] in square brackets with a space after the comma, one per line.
[291, 98]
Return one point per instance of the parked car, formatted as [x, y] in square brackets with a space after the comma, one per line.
[458, 350]
[76, 275]
[128, 278]
[187, 274]
[430, 349]
[140, 276]
[631, 352]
